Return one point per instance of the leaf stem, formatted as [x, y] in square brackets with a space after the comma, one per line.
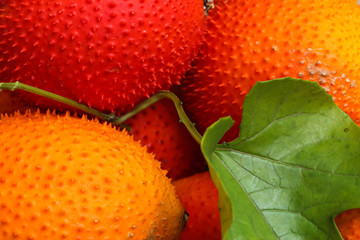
[118, 121]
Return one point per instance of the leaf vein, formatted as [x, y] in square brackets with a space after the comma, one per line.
[278, 120]
[296, 213]
[255, 205]
[278, 162]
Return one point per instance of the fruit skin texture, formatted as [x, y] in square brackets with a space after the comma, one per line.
[348, 223]
[250, 41]
[107, 54]
[158, 128]
[66, 177]
[199, 196]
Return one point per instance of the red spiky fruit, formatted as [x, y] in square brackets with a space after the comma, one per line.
[159, 129]
[250, 41]
[108, 54]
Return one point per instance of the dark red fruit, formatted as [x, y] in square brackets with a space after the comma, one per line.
[158, 128]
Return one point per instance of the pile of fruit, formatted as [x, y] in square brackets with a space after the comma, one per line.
[94, 146]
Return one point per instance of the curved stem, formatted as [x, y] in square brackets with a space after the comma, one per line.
[111, 117]
[178, 105]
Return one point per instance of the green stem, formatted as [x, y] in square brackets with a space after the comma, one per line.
[111, 117]
[17, 85]
[179, 108]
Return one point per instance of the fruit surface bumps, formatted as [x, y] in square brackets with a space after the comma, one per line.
[105, 53]
[159, 129]
[250, 41]
[63, 177]
[199, 196]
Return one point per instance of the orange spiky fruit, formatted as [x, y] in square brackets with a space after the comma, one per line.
[199, 196]
[66, 177]
[250, 41]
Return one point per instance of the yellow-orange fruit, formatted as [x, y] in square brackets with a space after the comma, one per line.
[348, 223]
[249, 40]
[199, 196]
[63, 177]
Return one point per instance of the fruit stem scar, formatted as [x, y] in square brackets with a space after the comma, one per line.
[209, 5]
[118, 121]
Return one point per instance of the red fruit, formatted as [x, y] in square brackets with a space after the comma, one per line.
[158, 128]
[348, 223]
[10, 103]
[108, 54]
[250, 41]
[199, 196]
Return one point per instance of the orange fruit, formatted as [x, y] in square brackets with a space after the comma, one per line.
[199, 196]
[63, 177]
[250, 41]
[348, 223]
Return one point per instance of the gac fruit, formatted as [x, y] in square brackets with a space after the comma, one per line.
[67, 177]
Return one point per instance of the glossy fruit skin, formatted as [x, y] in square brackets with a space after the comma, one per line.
[159, 129]
[107, 54]
[251, 41]
[66, 177]
[199, 196]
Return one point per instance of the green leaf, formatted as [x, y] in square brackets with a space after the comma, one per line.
[294, 167]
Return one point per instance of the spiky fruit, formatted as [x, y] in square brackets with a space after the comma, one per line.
[158, 128]
[250, 41]
[107, 54]
[66, 177]
[199, 196]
